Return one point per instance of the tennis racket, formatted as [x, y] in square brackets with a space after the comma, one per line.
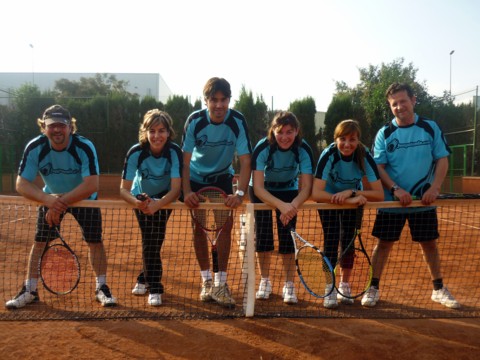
[141, 197]
[313, 267]
[59, 267]
[212, 221]
[355, 263]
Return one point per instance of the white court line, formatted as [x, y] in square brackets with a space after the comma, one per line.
[14, 221]
[454, 222]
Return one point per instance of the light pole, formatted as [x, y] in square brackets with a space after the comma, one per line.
[451, 52]
[33, 62]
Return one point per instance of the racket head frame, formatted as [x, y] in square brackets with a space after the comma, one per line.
[325, 263]
[51, 247]
[357, 249]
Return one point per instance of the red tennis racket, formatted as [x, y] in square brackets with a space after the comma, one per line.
[212, 220]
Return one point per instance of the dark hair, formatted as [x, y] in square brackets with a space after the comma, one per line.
[396, 87]
[281, 119]
[348, 127]
[152, 118]
[216, 84]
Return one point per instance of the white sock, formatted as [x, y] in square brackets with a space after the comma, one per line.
[220, 278]
[205, 275]
[31, 284]
[101, 280]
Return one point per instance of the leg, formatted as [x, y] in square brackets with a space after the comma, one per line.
[224, 244]
[90, 221]
[264, 248]
[387, 229]
[28, 293]
[432, 258]
[97, 258]
[380, 255]
[424, 229]
[200, 244]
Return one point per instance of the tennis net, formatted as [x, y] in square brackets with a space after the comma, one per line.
[406, 285]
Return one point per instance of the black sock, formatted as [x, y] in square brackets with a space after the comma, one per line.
[375, 283]
[437, 284]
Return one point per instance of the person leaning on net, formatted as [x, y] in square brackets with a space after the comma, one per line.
[412, 157]
[68, 165]
[342, 169]
[211, 137]
[282, 163]
[152, 170]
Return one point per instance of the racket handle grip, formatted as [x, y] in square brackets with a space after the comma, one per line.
[215, 261]
[141, 197]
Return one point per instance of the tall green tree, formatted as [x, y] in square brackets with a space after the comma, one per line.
[305, 110]
[255, 113]
[178, 107]
[346, 104]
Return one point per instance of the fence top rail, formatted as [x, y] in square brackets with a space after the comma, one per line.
[177, 205]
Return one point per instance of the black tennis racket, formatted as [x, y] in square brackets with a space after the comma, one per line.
[212, 221]
[355, 263]
[59, 267]
[313, 267]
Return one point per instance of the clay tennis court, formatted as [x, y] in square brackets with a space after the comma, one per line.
[185, 328]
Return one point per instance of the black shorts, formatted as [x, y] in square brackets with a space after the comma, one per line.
[423, 225]
[89, 219]
[264, 225]
[223, 182]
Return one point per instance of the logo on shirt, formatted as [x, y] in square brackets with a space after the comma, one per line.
[395, 144]
[49, 170]
[336, 179]
[203, 141]
[147, 176]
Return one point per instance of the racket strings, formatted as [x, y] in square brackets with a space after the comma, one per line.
[315, 272]
[212, 219]
[59, 269]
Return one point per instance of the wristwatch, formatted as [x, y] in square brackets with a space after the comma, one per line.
[354, 193]
[240, 193]
[394, 188]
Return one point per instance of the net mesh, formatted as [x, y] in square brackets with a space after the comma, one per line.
[406, 286]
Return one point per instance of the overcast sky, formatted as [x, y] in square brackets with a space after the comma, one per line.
[282, 50]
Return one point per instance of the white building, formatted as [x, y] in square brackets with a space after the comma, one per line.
[141, 84]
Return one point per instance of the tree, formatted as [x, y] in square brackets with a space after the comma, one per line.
[179, 108]
[305, 111]
[99, 84]
[345, 105]
[255, 113]
[374, 81]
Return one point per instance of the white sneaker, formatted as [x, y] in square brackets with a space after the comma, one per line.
[289, 296]
[222, 295]
[343, 292]
[444, 297]
[23, 298]
[330, 301]
[104, 297]
[206, 293]
[140, 289]
[155, 299]
[264, 289]
[371, 297]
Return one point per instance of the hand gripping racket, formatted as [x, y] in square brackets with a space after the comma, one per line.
[212, 221]
[313, 267]
[59, 267]
[355, 262]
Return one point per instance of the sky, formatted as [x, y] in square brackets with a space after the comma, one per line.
[282, 50]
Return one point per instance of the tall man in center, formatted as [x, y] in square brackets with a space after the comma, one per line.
[211, 138]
